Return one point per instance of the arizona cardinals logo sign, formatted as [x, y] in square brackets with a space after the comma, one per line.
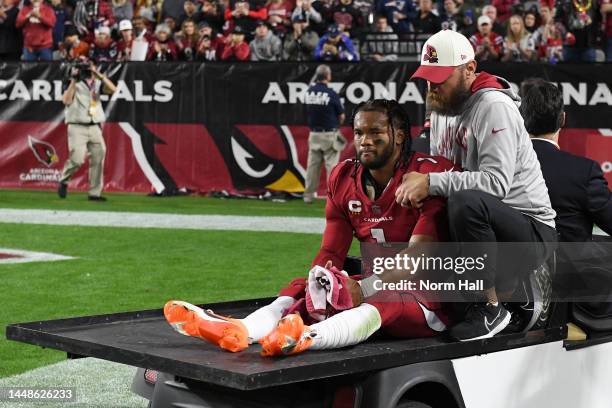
[431, 55]
[43, 151]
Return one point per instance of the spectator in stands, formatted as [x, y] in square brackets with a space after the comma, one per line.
[61, 16]
[279, 15]
[552, 49]
[491, 12]
[427, 22]
[453, 19]
[346, 17]
[91, 14]
[190, 12]
[540, 36]
[212, 13]
[366, 8]
[10, 36]
[123, 10]
[530, 21]
[245, 14]
[173, 8]
[335, 46]
[235, 47]
[487, 44]
[216, 40]
[299, 45]
[162, 48]
[205, 51]
[504, 9]
[578, 16]
[140, 28]
[103, 49]
[36, 21]
[606, 13]
[124, 45]
[381, 45]
[265, 46]
[73, 47]
[305, 10]
[171, 23]
[186, 41]
[518, 45]
[400, 14]
[149, 10]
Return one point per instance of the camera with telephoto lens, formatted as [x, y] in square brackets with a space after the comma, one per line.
[78, 70]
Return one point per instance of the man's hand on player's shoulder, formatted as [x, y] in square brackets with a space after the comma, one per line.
[413, 190]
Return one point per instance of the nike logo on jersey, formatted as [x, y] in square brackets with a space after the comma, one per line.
[498, 130]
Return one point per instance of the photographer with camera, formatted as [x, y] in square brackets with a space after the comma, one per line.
[84, 117]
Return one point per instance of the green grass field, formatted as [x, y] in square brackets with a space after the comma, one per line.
[141, 203]
[123, 269]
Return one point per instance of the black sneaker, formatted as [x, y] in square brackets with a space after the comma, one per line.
[536, 291]
[62, 189]
[482, 321]
[96, 198]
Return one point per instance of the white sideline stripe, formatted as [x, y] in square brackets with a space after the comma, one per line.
[30, 256]
[157, 220]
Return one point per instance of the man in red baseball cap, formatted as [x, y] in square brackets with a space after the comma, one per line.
[501, 194]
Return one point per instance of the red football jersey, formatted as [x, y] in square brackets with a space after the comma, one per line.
[349, 211]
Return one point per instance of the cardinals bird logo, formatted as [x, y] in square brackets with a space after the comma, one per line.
[431, 55]
[43, 151]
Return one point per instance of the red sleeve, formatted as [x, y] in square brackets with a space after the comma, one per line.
[47, 16]
[227, 53]
[242, 51]
[337, 237]
[228, 14]
[261, 14]
[172, 50]
[432, 219]
[107, 13]
[338, 233]
[21, 17]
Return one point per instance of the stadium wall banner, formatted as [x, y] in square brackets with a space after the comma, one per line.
[241, 127]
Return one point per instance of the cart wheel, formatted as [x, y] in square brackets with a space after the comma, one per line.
[412, 404]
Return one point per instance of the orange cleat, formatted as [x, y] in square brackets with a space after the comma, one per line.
[291, 336]
[189, 320]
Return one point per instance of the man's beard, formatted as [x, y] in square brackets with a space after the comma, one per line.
[450, 105]
[379, 161]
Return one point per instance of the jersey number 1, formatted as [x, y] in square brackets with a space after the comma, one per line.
[378, 234]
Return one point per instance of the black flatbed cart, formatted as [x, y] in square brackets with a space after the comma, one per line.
[187, 372]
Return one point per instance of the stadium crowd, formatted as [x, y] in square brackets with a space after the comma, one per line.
[299, 30]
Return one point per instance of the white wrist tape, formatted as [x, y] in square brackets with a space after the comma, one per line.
[367, 285]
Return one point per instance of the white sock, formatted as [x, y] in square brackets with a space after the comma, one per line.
[262, 321]
[346, 328]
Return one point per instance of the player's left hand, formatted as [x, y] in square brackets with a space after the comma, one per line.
[352, 286]
[413, 190]
[355, 290]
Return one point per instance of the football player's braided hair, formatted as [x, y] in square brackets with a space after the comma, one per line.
[398, 119]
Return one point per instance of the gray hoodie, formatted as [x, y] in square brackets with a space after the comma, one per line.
[266, 49]
[489, 141]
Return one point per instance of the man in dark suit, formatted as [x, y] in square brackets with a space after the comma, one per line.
[578, 191]
[579, 194]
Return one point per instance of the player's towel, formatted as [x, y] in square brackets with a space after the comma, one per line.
[327, 288]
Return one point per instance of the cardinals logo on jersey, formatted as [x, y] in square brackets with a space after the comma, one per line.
[43, 151]
[431, 55]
